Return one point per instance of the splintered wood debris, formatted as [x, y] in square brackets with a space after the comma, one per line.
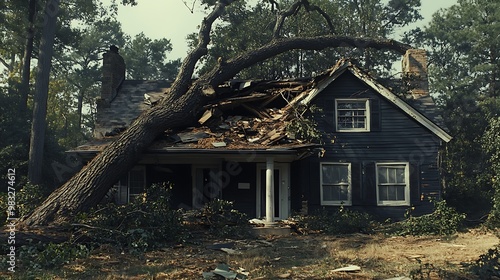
[254, 115]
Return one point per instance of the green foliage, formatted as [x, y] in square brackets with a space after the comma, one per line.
[304, 129]
[146, 59]
[32, 257]
[464, 75]
[223, 220]
[28, 198]
[427, 271]
[488, 264]
[340, 221]
[143, 224]
[445, 220]
[247, 26]
[51, 255]
[491, 143]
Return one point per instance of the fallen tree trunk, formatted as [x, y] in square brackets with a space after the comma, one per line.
[181, 107]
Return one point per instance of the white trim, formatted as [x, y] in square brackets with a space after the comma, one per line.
[284, 171]
[391, 97]
[405, 202]
[367, 115]
[349, 188]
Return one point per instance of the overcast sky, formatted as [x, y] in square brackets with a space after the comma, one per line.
[171, 19]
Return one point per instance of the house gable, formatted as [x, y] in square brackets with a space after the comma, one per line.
[424, 104]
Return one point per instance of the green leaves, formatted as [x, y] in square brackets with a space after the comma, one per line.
[464, 73]
[146, 59]
[246, 27]
[445, 220]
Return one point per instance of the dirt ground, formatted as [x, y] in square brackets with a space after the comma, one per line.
[314, 256]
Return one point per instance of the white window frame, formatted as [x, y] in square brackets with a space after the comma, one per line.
[405, 202]
[367, 115]
[348, 202]
[142, 169]
[119, 186]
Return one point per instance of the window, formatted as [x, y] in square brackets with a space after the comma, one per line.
[393, 187]
[352, 115]
[131, 185]
[335, 184]
[136, 181]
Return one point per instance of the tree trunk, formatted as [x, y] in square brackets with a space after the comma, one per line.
[79, 108]
[180, 108]
[37, 139]
[28, 50]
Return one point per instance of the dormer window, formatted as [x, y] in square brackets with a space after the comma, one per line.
[352, 115]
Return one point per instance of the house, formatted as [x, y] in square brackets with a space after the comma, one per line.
[377, 151]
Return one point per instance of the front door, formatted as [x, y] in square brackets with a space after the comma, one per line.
[281, 191]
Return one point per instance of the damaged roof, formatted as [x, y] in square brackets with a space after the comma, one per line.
[134, 97]
[249, 115]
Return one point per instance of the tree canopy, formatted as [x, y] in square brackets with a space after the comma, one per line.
[245, 27]
[463, 42]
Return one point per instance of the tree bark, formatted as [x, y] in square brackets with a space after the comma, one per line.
[180, 108]
[37, 138]
[28, 51]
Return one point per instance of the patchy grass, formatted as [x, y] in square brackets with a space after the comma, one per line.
[312, 256]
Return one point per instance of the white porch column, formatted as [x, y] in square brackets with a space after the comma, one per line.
[269, 190]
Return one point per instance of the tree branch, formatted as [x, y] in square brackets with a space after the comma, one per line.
[280, 20]
[322, 13]
[293, 10]
[5, 63]
[186, 71]
[222, 73]
[392, 19]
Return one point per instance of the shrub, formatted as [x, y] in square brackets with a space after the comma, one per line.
[445, 220]
[28, 198]
[488, 265]
[143, 224]
[340, 221]
[223, 220]
[51, 255]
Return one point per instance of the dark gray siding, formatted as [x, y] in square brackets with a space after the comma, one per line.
[394, 137]
[179, 175]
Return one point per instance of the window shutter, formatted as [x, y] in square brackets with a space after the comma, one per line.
[357, 192]
[414, 183]
[375, 118]
[369, 189]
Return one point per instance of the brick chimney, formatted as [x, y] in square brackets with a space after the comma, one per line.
[113, 74]
[414, 68]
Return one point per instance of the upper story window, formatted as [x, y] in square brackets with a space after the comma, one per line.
[352, 115]
[336, 184]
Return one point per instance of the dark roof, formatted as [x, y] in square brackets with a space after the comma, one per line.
[128, 104]
[425, 104]
[248, 115]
